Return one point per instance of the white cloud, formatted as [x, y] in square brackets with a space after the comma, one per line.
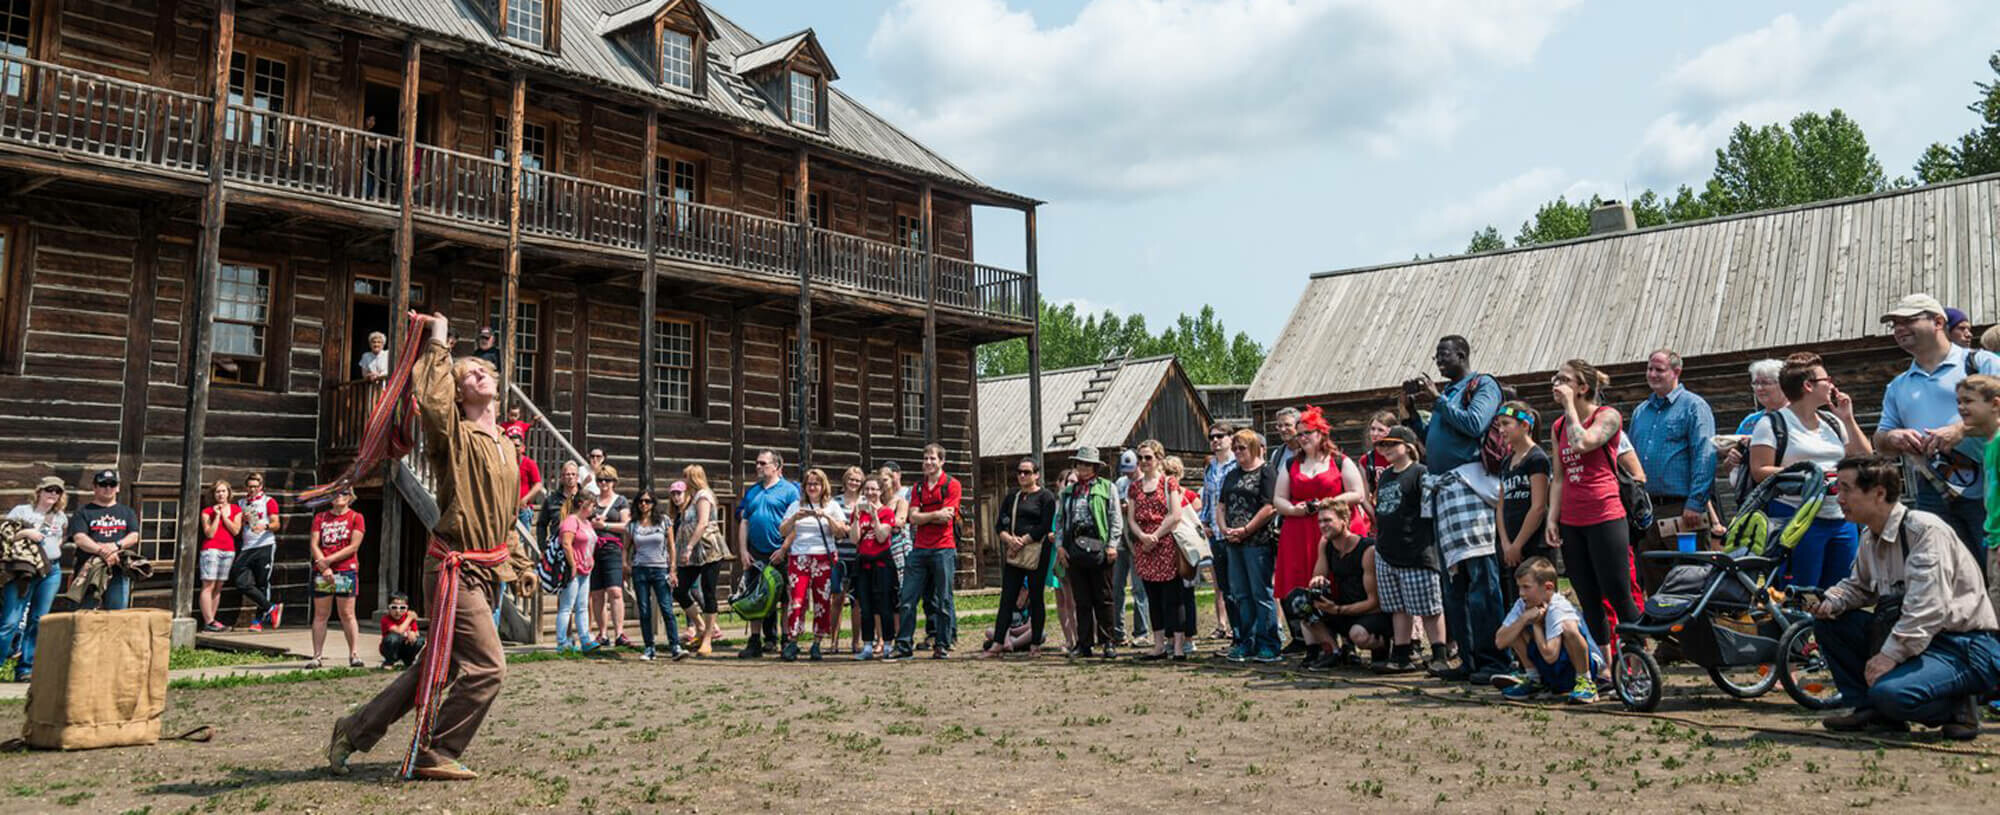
[1139, 97]
[1859, 58]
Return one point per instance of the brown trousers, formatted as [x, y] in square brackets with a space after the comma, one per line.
[477, 665]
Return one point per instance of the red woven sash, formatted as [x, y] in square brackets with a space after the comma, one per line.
[435, 664]
[389, 433]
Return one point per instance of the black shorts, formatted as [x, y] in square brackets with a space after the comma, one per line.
[609, 569]
[1375, 623]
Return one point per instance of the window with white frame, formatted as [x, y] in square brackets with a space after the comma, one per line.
[677, 59]
[910, 392]
[527, 339]
[159, 524]
[805, 99]
[528, 21]
[242, 323]
[261, 83]
[815, 206]
[673, 364]
[815, 406]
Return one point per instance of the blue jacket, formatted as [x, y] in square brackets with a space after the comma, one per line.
[1451, 436]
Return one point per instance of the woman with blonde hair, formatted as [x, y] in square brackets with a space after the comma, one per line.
[702, 550]
[23, 603]
[811, 526]
[220, 521]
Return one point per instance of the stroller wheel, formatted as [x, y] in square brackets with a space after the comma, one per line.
[1637, 678]
[1802, 669]
[1745, 681]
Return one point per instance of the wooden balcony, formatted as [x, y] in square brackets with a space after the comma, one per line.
[69, 115]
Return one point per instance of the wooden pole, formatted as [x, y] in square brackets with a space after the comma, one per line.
[1034, 346]
[802, 384]
[930, 320]
[649, 393]
[405, 180]
[202, 334]
[511, 264]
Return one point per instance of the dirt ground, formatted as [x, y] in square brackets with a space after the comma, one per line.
[965, 735]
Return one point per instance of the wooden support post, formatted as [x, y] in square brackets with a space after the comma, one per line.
[511, 263]
[201, 334]
[139, 351]
[931, 431]
[1034, 347]
[389, 574]
[802, 372]
[649, 294]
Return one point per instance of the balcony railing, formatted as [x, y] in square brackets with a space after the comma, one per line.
[561, 206]
[302, 155]
[346, 412]
[58, 108]
[461, 188]
[96, 117]
[725, 237]
[861, 264]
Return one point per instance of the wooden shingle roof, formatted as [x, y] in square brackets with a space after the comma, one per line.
[1811, 274]
[586, 53]
[1003, 406]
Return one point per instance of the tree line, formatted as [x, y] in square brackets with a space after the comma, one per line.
[1812, 158]
[1209, 353]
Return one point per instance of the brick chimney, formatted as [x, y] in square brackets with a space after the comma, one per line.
[1611, 216]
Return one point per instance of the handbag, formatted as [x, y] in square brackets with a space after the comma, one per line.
[1082, 544]
[1193, 547]
[1029, 556]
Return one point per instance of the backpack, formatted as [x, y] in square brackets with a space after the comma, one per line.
[1782, 437]
[1493, 447]
[553, 568]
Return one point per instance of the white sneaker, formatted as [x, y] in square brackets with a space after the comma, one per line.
[867, 653]
[648, 656]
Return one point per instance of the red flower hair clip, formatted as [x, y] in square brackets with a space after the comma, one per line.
[1312, 418]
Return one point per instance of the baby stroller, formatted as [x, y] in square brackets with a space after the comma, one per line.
[1722, 611]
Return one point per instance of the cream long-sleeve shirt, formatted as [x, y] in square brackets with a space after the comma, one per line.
[1941, 585]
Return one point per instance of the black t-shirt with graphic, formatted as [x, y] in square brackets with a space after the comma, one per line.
[1244, 494]
[103, 524]
[1402, 535]
[1517, 486]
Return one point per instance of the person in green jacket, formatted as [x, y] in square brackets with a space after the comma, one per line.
[1088, 526]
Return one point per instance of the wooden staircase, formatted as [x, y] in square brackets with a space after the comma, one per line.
[1086, 402]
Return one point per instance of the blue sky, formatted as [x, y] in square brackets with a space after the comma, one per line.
[1219, 151]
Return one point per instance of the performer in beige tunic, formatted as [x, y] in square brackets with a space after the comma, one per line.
[477, 485]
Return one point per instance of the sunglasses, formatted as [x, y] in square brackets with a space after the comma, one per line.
[1024, 472]
[644, 501]
[56, 490]
[1238, 447]
[1213, 436]
[1145, 458]
[607, 481]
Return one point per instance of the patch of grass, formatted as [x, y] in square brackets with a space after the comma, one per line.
[285, 678]
[183, 658]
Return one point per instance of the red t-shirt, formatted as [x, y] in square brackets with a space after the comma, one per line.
[928, 498]
[865, 523]
[330, 533]
[523, 426]
[390, 623]
[1590, 486]
[222, 540]
[531, 476]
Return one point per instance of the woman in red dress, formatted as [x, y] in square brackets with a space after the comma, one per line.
[1318, 473]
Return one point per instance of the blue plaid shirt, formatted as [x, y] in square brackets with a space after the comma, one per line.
[1672, 436]
[1211, 491]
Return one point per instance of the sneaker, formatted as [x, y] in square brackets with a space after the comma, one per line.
[648, 655]
[679, 654]
[1106, 653]
[867, 653]
[1508, 680]
[754, 650]
[1395, 665]
[899, 653]
[1142, 641]
[1238, 654]
[256, 626]
[814, 653]
[277, 612]
[1267, 658]
[1964, 725]
[1856, 721]
[591, 646]
[940, 653]
[624, 641]
[338, 748]
[790, 651]
[1531, 687]
[1584, 693]
[1296, 646]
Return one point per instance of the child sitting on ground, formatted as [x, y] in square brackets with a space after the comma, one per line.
[401, 641]
[1547, 637]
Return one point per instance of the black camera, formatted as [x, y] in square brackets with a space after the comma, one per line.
[1299, 604]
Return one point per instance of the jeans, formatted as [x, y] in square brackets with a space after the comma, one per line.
[21, 608]
[927, 578]
[1253, 610]
[1122, 578]
[1472, 612]
[1219, 566]
[1967, 517]
[1927, 688]
[650, 583]
[396, 648]
[1824, 556]
[117, 595]
[570, 606]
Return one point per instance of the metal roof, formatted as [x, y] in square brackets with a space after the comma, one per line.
[770, 53]
[586, 53]
[1003, 406]
[1800, 276]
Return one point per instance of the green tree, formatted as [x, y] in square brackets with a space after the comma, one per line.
[1978, 151]
[1485, 240]
[1816, 158]
[1206, 349]
[1557, 220]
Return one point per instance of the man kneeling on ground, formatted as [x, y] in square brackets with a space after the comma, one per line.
[1928, 649]
[1547, 638]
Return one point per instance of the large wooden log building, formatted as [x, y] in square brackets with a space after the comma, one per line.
[1722, 292]
[691, 243]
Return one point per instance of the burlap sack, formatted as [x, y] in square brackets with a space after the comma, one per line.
[100, 679]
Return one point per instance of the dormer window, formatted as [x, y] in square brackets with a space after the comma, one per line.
[677, 59]
[805, 100]
[527, 21]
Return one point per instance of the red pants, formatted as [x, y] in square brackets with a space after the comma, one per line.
[811, 573]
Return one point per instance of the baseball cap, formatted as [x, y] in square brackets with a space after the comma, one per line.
[1402, 434]
[1913, 305]
[105, 478]
[514, 432]
[1953, 316]
[486, 331]
[678, 486]
[51, 481]
[1128, 461]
